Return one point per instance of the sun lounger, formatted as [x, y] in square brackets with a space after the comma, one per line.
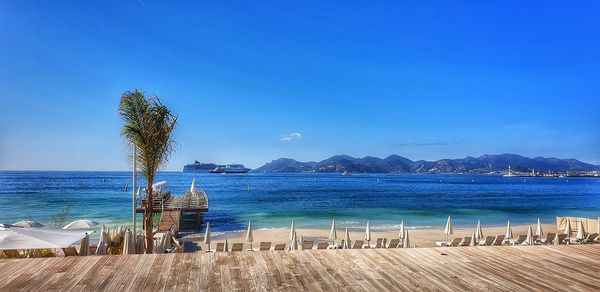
[322, 245]
[561, 238]
[488, 241]
[393, 243]
[10, 254]
[308, 244]
[237, 247]
[465, 242]
[455, 241]
[264, 246]
[520, 239]
[220, 247]
[549, 238]
[498, 240]
[358, 244]
[70, 251]
[379, 243]
[279, 246]
[590, 238]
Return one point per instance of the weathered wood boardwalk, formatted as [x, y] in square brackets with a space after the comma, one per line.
[539, 268]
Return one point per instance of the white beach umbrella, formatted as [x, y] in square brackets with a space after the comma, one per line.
[101, 249]
[127, 243]
[473, 240]
[448, 230]
[529, 239]
[84, 247]
[401, 233]
[193, 187]
[368, 233]
[509, 233]
[598, 226]
[28, 224]
[301, 246]
[207, 235]
[333, 232]
[249, 237]
[406, 240]
[82, 224]
[478, 231]
[37, 238]
[538, 230]
[292, 229]
[346, 240]
[294, 243]
[580, 231]
[568, 229]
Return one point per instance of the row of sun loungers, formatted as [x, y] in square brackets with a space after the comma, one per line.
[308, 244]
[522, 240]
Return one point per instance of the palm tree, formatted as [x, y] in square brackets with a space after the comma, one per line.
[148, 126]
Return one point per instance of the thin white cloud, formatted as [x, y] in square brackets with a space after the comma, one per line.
[291, 137]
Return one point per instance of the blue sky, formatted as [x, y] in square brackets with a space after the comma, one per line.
[252, 82]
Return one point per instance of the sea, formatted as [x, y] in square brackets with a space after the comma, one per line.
[312, 200]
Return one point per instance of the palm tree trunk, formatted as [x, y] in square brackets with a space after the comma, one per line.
[148, 216]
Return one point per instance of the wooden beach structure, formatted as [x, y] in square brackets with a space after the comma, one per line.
[503, 268]
[172, 208]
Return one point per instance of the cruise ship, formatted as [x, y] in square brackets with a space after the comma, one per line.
[215, 168]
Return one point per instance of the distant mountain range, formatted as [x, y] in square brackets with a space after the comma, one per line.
[398, 164]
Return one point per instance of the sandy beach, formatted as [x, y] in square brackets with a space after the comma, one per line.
[418, 237]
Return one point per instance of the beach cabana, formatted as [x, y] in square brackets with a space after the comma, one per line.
[448, 230]
[207, 236]
[368, 234]
[333, 232]
[28, 224]
[249, 237]
[37, 238]
[82, 224]
[509, 234]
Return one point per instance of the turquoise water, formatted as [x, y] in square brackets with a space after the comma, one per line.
[271, 200]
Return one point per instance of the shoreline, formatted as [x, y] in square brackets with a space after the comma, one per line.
[419, 237]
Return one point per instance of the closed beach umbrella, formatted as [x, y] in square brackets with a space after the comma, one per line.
[82, 224]
[301, 246]
[37, 238]
[139, 244]
[478, 231]
[193, 187]
[401, 233]
[84, 247]
[529, 239]
[28, 224]
[127, 244]
[473, 240]
[556, 240]
[598, 226]
[568, 229]
[346, 240]
[538, 230]
[292, 229]
[249, 237]
[448, 230]
[509, 234]
[226, 247]
[333, 232]
[406, 240]
[294, 243]
[580, 231]
[207, 235]
[101, 249]
[368, 233]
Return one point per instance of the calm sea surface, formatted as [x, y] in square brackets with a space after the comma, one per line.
[271, 200]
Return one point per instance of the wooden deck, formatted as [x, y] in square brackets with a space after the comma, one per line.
[189, 202]
[547, 268]
[169, 221]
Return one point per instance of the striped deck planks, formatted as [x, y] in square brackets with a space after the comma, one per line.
[520, 268]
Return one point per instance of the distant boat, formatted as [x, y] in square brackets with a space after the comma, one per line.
[509, 173]
[346, 173]
[230, 168]
[199, 167]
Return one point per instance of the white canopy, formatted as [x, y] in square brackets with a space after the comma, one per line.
[36, 238]
[159, 185]
[478, 231]
[509, 234]
[401, 233]
[333, 231]
[82, 224]
[538, 230]
[28, 224]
